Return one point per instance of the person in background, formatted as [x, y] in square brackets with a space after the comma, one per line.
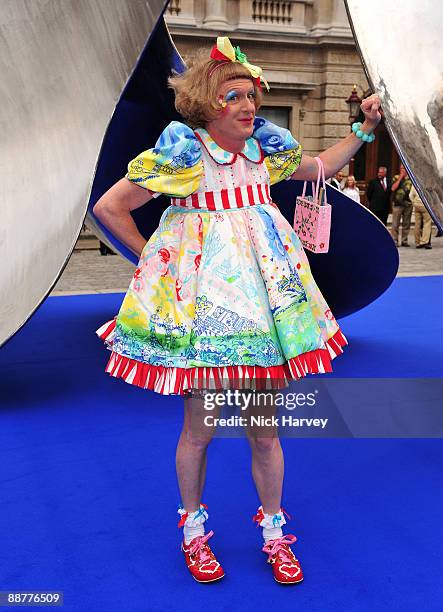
[423, 221]
[378, 194]
[336, 180]
[104, 249]
[350, 189]
[401, 206]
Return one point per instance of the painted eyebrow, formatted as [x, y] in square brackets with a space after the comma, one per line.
[237, 91]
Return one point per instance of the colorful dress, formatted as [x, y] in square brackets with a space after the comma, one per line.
[223, 295]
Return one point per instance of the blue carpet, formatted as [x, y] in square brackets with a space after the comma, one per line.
[87, 478]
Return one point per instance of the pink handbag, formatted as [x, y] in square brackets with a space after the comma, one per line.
[312, 217]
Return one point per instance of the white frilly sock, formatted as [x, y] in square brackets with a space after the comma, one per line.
[272, 525]
[194, 524]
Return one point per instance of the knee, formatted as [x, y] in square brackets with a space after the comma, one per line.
[198, 441]
[263, 444]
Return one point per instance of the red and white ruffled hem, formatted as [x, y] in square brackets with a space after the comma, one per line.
[179, 381]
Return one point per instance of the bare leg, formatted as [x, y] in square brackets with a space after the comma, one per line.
[191, 454]
[202, 475]
[268, 472]
[267, 463]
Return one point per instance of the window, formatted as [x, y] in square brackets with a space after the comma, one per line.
[276, 114]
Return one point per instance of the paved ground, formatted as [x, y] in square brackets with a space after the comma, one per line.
[90, 272]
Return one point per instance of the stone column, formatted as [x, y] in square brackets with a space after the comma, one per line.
[215, 17]
[185, 15]
[339, 20]
[322, 17]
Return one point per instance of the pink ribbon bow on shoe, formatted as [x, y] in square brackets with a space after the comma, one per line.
[198, 545]
[278, 545]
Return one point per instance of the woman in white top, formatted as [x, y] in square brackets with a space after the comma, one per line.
[351, 189]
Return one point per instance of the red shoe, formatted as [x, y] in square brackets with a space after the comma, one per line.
[200, 559]
[285, 565]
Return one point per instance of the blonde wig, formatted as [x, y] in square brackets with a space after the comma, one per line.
[197, 88]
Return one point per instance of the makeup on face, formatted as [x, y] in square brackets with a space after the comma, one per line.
[236, 96]
[237, 100]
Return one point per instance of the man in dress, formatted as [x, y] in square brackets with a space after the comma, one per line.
[219, 96]
[378, 194]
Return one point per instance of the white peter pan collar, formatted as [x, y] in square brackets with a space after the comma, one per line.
[251, 151]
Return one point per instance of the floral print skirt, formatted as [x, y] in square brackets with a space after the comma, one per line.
[221, 299]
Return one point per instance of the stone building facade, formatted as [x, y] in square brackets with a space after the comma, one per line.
[309, 58]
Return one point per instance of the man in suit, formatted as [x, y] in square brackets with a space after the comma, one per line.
[336, 180]
[378, 194]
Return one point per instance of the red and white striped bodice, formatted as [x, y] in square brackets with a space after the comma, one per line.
[240, 184]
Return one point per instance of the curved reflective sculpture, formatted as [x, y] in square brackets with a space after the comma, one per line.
[350, 276]
[401, 47]
[63, 67]
[65, 89]
[145, 108]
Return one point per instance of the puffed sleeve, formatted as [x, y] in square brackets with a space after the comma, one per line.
[282, 152]
[173, 167]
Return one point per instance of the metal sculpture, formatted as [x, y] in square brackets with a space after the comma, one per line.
[352, 275]
[401, 49]
[63, 67]
[107, 83]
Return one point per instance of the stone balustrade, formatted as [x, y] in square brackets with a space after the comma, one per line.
[286, 16]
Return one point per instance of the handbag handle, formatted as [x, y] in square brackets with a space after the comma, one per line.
[304, 189]
[320, 176]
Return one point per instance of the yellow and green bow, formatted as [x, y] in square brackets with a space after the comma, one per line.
[224, 51]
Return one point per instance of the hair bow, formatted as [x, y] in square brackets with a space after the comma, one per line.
[225, 52]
